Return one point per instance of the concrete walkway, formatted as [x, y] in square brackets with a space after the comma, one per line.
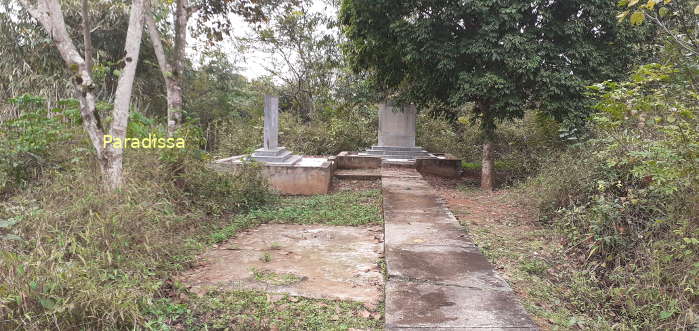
[437, 278]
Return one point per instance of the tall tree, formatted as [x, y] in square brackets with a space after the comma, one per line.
[304, 55]
[50, 15]
[214, 16]
[503, 55]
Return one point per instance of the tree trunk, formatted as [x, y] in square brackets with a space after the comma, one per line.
[87, 37]
[487, 164]
[122, 97]
[50, 16]
[172, 73]
[174, 105]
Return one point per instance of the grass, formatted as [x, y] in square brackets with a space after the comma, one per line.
[343, 208]
[73, 256]
[254, 310]
[552, 288]
[273, 278]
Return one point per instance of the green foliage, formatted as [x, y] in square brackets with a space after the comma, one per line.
[502, 55]
[26, 142]
[521, 146]
[627, 199]
[254, 310]
[72, 254]
[351, 131]
[342, 208]
[344, 132]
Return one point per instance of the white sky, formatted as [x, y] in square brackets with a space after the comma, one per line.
[251, 62]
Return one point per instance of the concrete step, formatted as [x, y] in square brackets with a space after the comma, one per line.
[358, 174]
[397, 163]
[395, 148]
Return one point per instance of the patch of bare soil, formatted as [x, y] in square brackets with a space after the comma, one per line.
[339, 185]
[521, 250]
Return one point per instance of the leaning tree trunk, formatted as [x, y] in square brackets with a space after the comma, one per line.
[487, 164]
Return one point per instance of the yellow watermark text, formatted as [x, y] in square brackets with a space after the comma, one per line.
[152, 141]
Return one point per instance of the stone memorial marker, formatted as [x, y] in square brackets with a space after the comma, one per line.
[270, 151]
[397, 133]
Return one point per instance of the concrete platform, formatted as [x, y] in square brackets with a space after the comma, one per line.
[305, 176]
[437, 278]
[315, 261]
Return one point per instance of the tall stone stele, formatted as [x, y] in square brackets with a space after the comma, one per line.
[397, 132]
[271, 152]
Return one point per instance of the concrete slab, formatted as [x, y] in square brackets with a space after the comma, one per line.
[352, 160]
[449, 265]
[423, 306]
[425, 233]
[316, 261]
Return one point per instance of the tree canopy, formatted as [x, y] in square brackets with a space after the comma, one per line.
[503, 55]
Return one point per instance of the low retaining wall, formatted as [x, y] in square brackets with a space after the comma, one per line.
[350, 160]
[446, 165]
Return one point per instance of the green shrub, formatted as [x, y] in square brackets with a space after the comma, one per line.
[27, 142]
[627, 200]
[218, 192]
[73, 255]
[347, 132]
[521, 146]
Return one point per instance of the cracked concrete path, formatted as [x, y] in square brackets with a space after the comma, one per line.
[437, 278]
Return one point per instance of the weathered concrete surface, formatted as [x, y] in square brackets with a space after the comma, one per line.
[437, 278]
[307, 176]
[415, 305]
[324, 262]
[445, 165]
[359, 174]
[352, 160]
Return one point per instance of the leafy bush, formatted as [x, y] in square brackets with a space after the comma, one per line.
[218, 193]
[26, 142]
[521, 146]
[346, 132]
[627, 200]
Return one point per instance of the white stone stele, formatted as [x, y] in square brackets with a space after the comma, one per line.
[397, 133]
[271, 152]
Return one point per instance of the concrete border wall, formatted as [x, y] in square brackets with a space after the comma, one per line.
[349, 160]
[289, 179]
[445, 166]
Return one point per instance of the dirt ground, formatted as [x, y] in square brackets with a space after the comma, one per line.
[354, 185]
[507, 233]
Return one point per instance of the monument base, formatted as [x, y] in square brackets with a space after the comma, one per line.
[279, 155]
[397, 152]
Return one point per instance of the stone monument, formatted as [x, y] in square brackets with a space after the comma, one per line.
[270, 151]
[397, 133]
